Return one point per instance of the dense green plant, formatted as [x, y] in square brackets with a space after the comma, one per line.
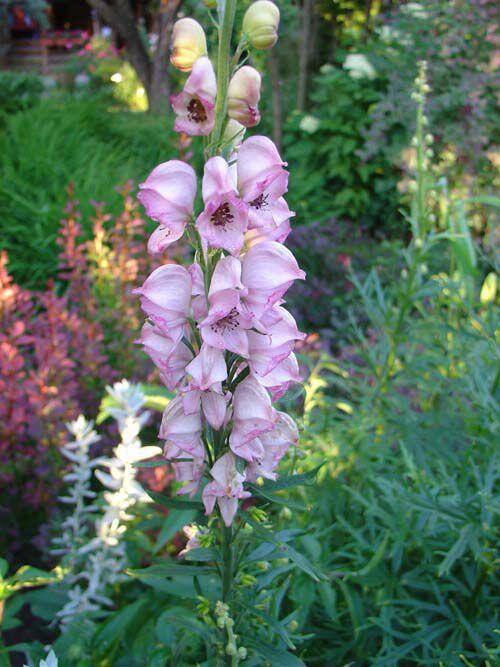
[19, 91]
[329, 178]
[61, 141]
[407, 518]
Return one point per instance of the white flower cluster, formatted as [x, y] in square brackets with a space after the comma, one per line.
[105, 553]
[51, 661]
[79, 494]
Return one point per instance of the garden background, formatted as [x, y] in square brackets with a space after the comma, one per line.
[400, 401]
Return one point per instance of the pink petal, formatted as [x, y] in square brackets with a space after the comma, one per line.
[208, 367]
[214, 408]
[217, 179]
[258, 162]
[223, 223]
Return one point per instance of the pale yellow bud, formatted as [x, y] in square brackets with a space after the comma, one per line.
[260, 24]
[188, 44]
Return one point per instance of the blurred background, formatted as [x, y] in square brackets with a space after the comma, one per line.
[397, 227]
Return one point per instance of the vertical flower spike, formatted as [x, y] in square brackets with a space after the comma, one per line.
[168, 196]
[188, 44]
[194, 106]
[260, 24]
[243, 96]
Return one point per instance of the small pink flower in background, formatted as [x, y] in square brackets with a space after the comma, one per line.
[168, 196]
[243, 96]
[253, 415]
[194, 106]
[181, 432]
[226, 488]
[224, 221]
[166, 298]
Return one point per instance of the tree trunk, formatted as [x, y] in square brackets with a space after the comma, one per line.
[304, 54]
[159, 90]
[274, 78]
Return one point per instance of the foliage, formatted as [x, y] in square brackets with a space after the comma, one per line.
[57, 351]
[328, 177]
[78, 141]
[18, 91]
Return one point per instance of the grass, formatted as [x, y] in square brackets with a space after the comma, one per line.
[44, 149]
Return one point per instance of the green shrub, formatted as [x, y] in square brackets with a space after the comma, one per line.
[19, 91]
[328, 177]
[60, 141]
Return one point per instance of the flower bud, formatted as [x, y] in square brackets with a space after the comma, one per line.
[260, 24]
[188, 44]
[233, 134]
[243, 96]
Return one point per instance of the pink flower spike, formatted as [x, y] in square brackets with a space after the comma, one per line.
[181, 432]
[194, 106]
[253, 415]
[170, 357]
[168, 196]
[226, 488]
[166, 297]
[243, 96]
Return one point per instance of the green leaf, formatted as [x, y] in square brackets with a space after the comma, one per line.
[202, 555]
[175, 503]
[114, 628]
[304, 479]
[172, 569]
[156, 396]
[172, 524]
[275, 656]
[456, 550]
[4, 567]
[279, 500]
[151, 464]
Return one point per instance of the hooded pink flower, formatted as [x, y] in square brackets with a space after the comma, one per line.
[168, 196]
[166, 298]
[224, 221]
[190, 471]
[243, 95]
[194, 106]
[262, 182]
[281, 377]
[207, 370]
[181, 432]
[268, 271]
[199, 300]
[267, 350]
[226, 488]
[253, 415]
[275, 444]
[169, 356]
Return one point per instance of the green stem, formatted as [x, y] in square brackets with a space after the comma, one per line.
[223, 71]
[227, 561]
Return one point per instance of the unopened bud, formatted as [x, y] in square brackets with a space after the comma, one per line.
[242, 653]
[233, 134]
[260, 24]
[231, 649]
[188, 44]
[243, 96]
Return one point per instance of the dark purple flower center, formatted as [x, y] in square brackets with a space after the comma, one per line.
[222, 216]
[196, 111]
[228, 323]
[260, 202]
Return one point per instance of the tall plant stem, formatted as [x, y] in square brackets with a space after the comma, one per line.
[227, 561]
[223, 71]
